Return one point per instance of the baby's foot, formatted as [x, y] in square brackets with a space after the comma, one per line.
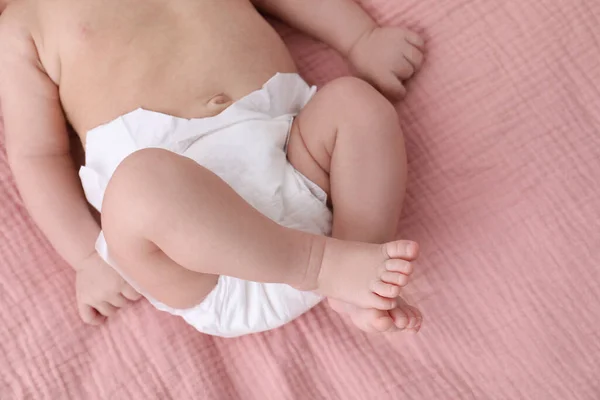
[371, 320]
[362, 274]
[406, 317]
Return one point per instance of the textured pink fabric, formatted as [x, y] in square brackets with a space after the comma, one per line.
[503, 132]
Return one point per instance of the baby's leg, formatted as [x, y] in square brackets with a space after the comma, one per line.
[348, 140]
[173, 227]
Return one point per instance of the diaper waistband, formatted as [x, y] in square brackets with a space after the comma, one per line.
[284, 95]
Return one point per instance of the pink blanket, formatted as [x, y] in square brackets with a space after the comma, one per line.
[503, 132]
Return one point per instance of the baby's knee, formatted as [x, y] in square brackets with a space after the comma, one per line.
[356, 98]
[134, 187]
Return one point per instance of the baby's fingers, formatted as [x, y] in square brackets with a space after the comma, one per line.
[415, 39]
[391, 87]
[89, 315]
[118, 300]
[404, 69]
[106, 309]
[130, 293]
[412, 56]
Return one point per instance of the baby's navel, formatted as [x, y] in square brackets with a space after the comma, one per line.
[220, 100]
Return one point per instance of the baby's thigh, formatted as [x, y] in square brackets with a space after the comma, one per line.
[159, 277]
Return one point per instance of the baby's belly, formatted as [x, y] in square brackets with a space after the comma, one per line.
[189, 61]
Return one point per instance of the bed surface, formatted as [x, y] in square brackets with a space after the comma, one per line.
[503, 136]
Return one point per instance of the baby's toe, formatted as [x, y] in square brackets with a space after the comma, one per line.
[402, 266]
[394, 278]
[412, 316]
[404, 249]
[415, 320]
[385, 289]
[400, 317]
[382, 321]
[371, 320]
[378, 302]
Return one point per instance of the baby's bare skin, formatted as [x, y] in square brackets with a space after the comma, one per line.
[93, 61]
[180, 57]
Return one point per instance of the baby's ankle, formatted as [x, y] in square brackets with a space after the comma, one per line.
[308, 277]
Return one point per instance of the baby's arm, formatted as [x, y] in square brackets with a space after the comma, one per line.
[38, 149]
[37, 145]
[384, 56]
[339, 23]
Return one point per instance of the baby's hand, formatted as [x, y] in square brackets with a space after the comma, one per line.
[100, 290]
[387, 56]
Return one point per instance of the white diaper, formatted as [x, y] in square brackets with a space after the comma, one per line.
[245, 145]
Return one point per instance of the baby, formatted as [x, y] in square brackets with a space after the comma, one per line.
[230, 192]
